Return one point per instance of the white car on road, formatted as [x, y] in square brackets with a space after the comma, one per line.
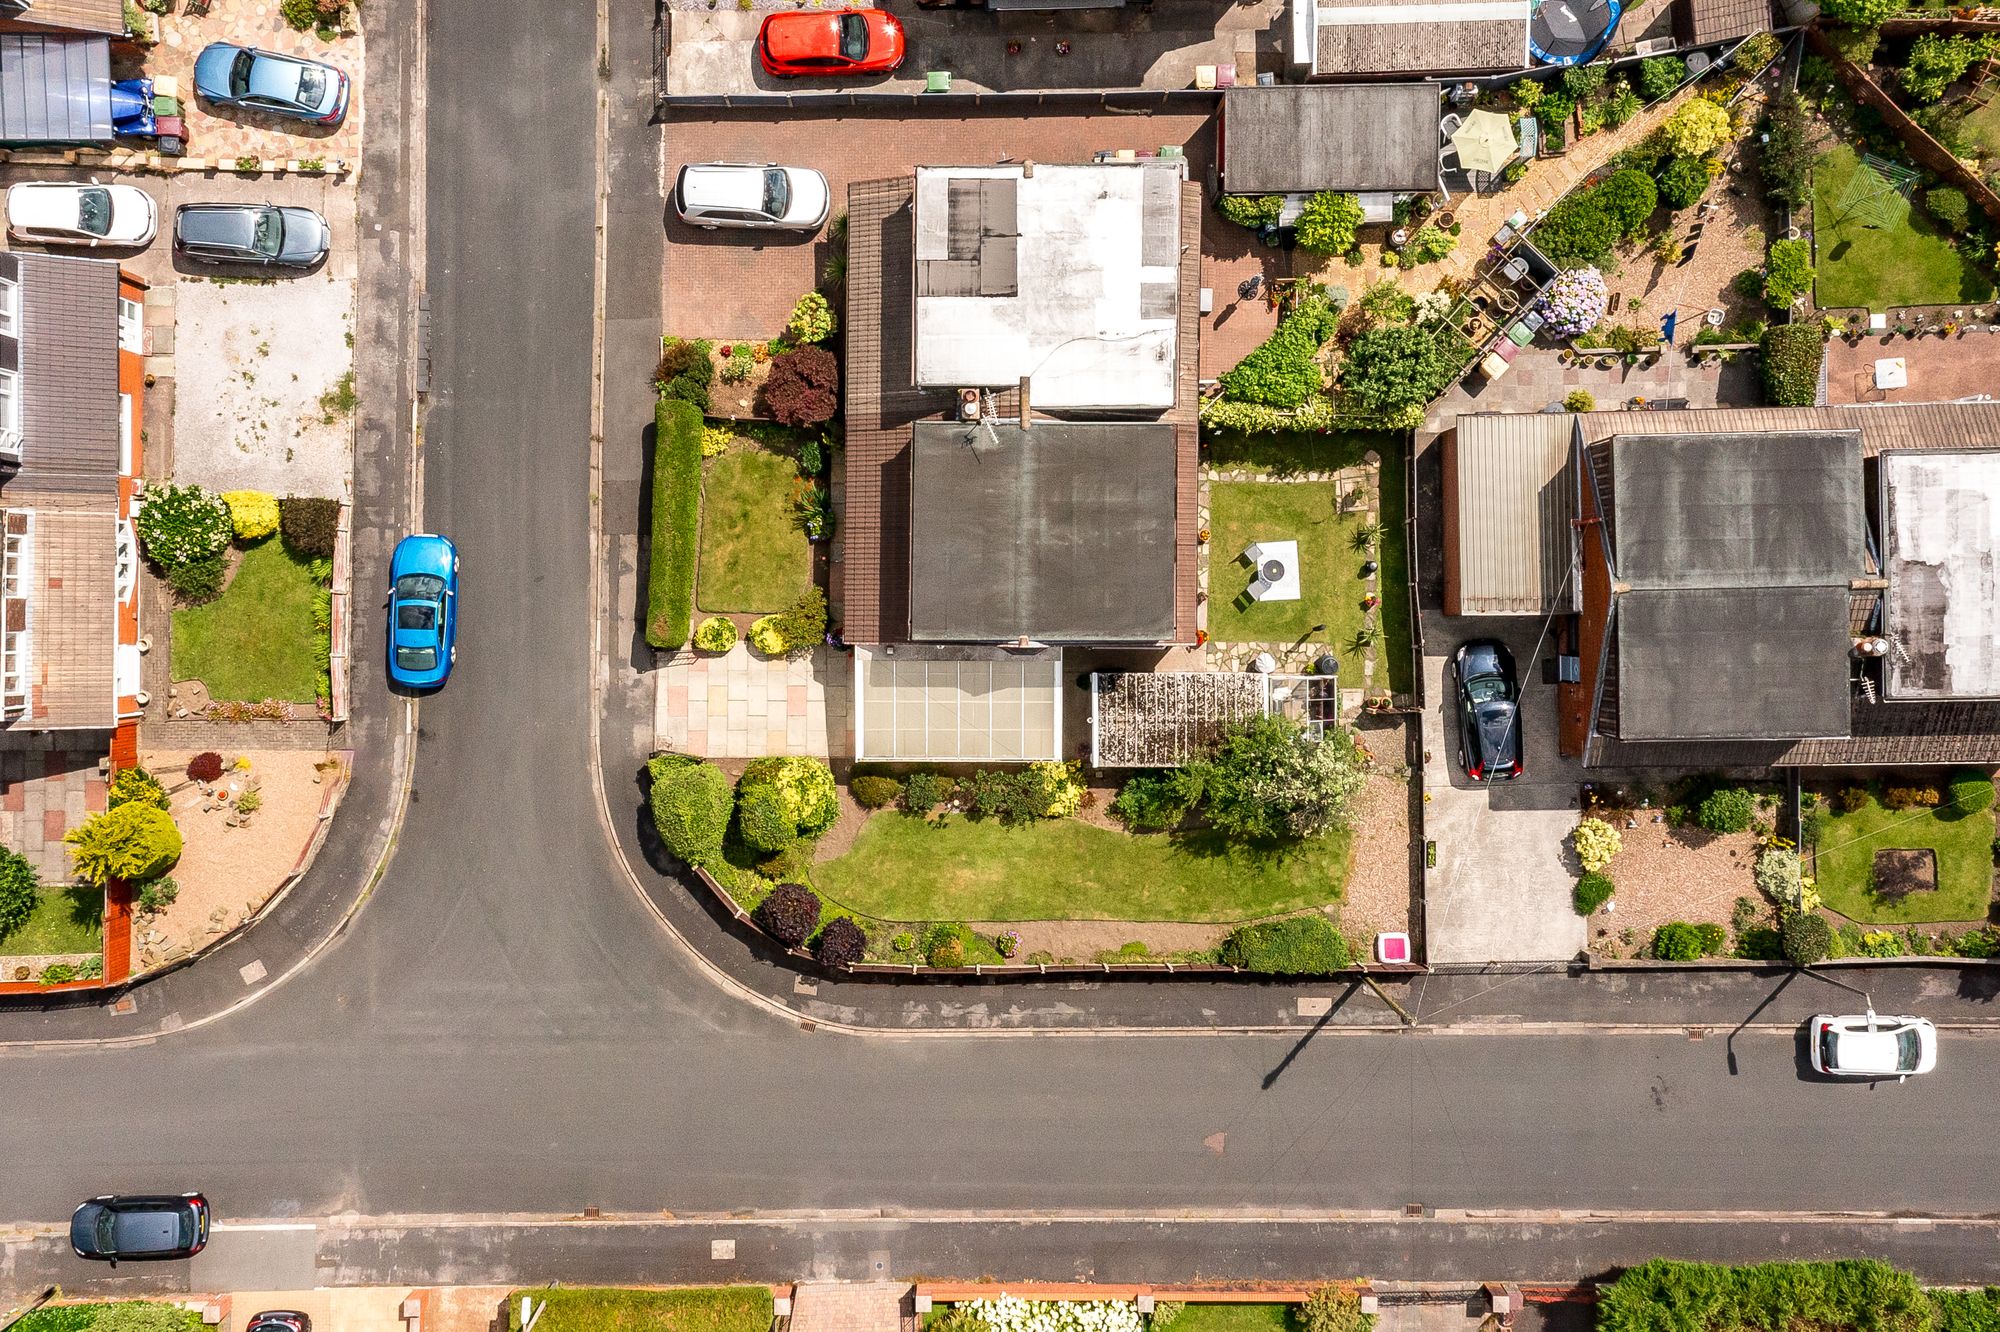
[1867, 1045]
[744, 194]
[49, 212]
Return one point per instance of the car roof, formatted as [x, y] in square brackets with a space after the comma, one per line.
[796, 34]
[234, 225]
[724, 185]
[1859, 1050]
[44, 203]
[422, 553]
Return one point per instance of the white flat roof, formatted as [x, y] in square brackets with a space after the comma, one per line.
[1069, 276]
[1943, 556]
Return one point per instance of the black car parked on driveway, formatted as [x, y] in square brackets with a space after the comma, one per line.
[1489, 722]
[140, 1226]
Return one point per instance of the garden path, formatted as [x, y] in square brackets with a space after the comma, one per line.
[743, 705]
[849, 1306]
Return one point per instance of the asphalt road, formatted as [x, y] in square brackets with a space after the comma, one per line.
[506, 1028]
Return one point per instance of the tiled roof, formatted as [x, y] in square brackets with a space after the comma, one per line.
[73, 616]
[1700, 22]
[103, 16]
[69, 377]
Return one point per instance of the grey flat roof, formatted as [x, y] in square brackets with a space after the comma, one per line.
[1733, 664]
[1767, 510]
[1063, 533]
[1513, 487]
[54, 89]
[1455, 36]
[1941, 537]
[1301, 138]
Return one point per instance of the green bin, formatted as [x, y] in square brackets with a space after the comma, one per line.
[938, 81]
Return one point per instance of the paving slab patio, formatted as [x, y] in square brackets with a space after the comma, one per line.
[744, 705]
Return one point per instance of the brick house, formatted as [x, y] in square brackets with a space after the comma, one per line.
[1020, 475]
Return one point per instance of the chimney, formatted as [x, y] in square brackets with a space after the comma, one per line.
[1025, 410]
[1028, 169]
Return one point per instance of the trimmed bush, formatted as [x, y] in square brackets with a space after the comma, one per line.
[1969, 793]
[803, 388]
[136, 785]
[1284, 370]
[1949, 207]
[1660, 75]
[133, 841]
[183, 525]
[19, 885]
[1727, 810]
[253, 515]
[925, 791]
[1328, 221]
[790, 914]
[1579, 400]
[205, 766]
[1679, 941]
[1584, 227]
[1788, 272]
[841, 943]
[805, 789]
[1155, 802]
[1696, 129]
[1792, 355]
[811, 321]
[789, 633]
[1595, 843]
[872, 792]
[676, 523]
[1251, 210]
[690, 801]
[1592, 891]
[1806, 938]
[761, 819]
[1684, 181]
[1334, 1308]
[309, 525]
[1293, 946]
[1852, 1295]
[717, 634]
[1910, 797]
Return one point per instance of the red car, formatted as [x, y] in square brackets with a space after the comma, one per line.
[830, 43]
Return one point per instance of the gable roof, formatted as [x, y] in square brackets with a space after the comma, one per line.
[1300, 138]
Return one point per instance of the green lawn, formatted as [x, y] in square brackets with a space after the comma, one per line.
[1910, 264]
[1235, 1318]
[1845, 858]
[601, 1309]
[255, 641]
[1284, 452]
[904, 868]
[754, 557]
[65, 920]
[1982, 126]
[1330, 583]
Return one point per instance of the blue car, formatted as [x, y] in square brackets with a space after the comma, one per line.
[423, 611]
[266, 81]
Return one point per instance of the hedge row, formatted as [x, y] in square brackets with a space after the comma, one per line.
[676, 522]
[1792, 354]
[1855, 1295]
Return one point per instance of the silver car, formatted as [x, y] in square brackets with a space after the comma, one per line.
[245, 233]
[745, 194]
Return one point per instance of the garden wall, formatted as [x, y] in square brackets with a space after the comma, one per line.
[1928, 152]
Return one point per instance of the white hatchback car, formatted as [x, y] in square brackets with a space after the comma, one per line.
[50, 212]
[1867, 1045]
[745, 194]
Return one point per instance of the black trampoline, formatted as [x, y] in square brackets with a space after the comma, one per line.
[1570, 32]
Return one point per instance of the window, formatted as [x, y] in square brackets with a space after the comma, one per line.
[124, 434]
[131, 327]
[10, 307]
[10, 412]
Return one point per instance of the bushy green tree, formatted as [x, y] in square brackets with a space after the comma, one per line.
[1728, 809]
[1268, 780]
[1328, 221]
[1788, 272]
[690, 801]
[134, 841]
[19, 885]
[1392, 372]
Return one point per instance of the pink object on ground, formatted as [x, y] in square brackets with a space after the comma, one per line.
[1392, 947]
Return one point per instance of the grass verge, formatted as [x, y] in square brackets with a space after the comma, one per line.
[907, 869]
[691, 1309]
[255, 641]
[1844, 863]
[65, 920]
[754, 558]
[676, 523]
[1235, 1318]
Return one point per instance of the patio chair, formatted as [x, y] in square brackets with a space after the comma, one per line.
[195, 8]
[1449, 126]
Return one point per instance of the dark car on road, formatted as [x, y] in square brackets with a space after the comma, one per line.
[1489, 722]
[134, 1227]
[233, 233]
[267, 81]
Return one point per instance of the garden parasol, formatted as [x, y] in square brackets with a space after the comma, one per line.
[1485, 142]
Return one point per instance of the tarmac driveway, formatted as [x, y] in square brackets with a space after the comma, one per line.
[1500, 891]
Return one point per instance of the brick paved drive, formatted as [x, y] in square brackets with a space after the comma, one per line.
[856, 1306]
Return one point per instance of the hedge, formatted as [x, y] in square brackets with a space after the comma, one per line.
[676, 523]
[1852, 1295]
[1292, 946]
[690, 801]
[1792, 353]
[1583, 227]
[1284, 371]
[597, 1309]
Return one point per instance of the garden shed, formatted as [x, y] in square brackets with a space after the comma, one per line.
[1355, 138]
[1509, 515]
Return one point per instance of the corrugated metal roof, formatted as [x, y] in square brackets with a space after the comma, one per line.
[1516, 504]
[73, 615]
[54, 89]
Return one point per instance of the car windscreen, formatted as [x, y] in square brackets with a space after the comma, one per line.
[416, 658]
[854, 36]
[419, 587]
[1909, 1050]
[239, 73]
[312, 86]
[1488, 689]
[269, 236]
[777, 193]
[93, 211]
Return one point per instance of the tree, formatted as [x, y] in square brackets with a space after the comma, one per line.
[1269, 781]
[1391, 371]
[1684, 181]
[1806, 938]
[690, 802]
[18, 886]
[1328, 221]
[842, 943]
[134, 841]
[1787, 153]
[789, 914]
[1696, 129]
